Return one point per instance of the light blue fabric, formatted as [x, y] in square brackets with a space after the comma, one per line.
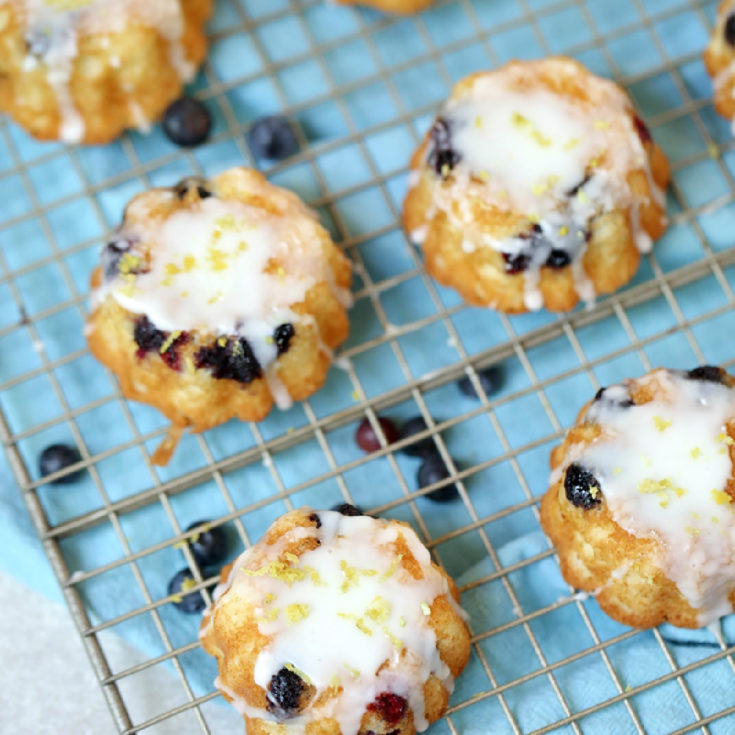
[77, 221]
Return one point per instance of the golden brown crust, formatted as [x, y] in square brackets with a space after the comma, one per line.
[400, 7]
[117, 79]
[718, 58]
[597, 555]
[192, 397]
[612, 255]
[230, 633]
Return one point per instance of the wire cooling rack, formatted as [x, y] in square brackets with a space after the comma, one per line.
[362, 88]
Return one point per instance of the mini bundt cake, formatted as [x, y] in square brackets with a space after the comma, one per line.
[336, 624]
[641, 506]
[719, 58]
[82, 71]
[217, 298]
[538, 185]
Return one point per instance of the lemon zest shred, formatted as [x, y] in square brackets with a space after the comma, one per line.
[720, 497]
[391, 570]
[169, 341]
[296, 612]
[661, 424]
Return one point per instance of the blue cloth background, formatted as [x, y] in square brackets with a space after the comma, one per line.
[78, 220]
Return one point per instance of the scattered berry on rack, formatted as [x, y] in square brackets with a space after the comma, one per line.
[433, 470]
[273, 138]
[420, 448]
[187, 122]
[490, 379]
[367, 439]
[57, 457]
[347, 509]
[209, 545]
[182, 599]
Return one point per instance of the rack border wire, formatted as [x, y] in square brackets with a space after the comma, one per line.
[663, 284]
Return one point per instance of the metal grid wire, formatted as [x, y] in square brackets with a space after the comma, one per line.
[672, 301]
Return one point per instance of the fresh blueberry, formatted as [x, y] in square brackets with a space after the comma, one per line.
[707, 373]
[420, 448]
[272, 137]
[490, 379]
[58, 457]
[367, 439]
[187, 602]
[209, 546]
[346, 509]
[187, 122]
[285, 693]
[582, 487]
[432, 470]
[730, 30]
[390, 707]
[558, 258]
[234, 360]
[441, 155]
[282, 337]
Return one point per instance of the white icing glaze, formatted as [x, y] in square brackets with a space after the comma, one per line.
[53, 27]
[223, 268]
[663, 468]
[525, 151]
[364, 624]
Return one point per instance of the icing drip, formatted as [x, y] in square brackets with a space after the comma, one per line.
[222, 268]
[557, 161]
[663, 467]
[344, 615]
[53, 29]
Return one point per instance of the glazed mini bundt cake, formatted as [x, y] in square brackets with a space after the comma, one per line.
[217, 298]
[641, 506]
[336, 624]
[82, 71]
[719, 58]
[538, 185]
